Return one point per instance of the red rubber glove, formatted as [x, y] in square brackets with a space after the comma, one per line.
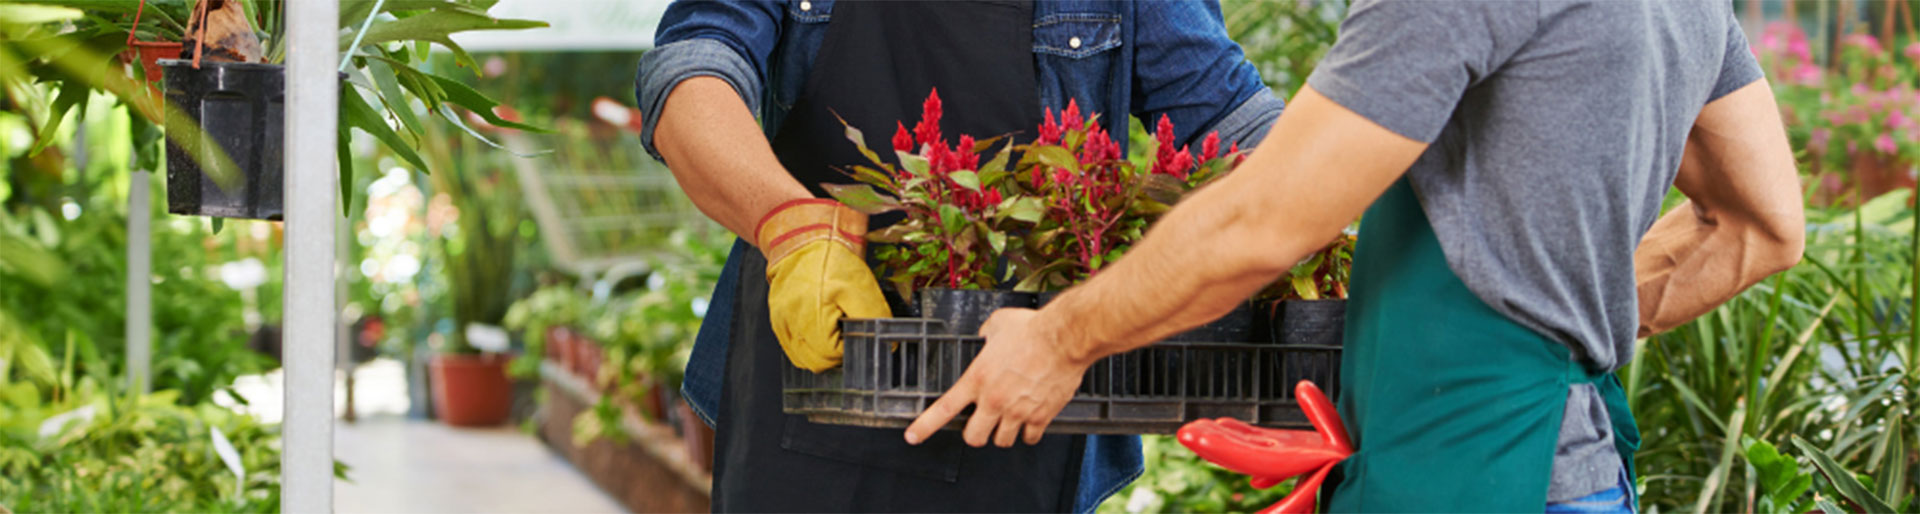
[1272, 456]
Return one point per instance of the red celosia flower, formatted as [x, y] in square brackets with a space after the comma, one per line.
[1211, 147]
[902, 141]
[1237, 157]
[1050, 131]
[964, 158]
[1180, 164]
[1071, 118]
[928, 131]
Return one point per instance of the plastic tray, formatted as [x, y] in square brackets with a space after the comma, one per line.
[894, 368]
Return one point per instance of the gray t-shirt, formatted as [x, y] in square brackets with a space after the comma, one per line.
[1556, 127]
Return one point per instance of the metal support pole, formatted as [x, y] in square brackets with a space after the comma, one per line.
[140, 282]
[313, 49]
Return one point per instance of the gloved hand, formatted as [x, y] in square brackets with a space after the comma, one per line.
[1272, 456]
[817, 275]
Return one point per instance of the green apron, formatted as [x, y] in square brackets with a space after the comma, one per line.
[1452, 406]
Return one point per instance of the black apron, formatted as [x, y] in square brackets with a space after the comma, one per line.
[876, 65]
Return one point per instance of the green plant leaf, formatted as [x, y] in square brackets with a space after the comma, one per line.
[454, 118]
[355, 112]
[1052, 157]
[1024, 208]
[434, 26]
[344, 148]
[873, 177]
[471, 100]
[996, 240]
[862, 197]
[72, 93]
[859, 140]
[953, 219]
[996, 168]
[393, 96]
[966, 179]
[914, 164]
[1843, 481]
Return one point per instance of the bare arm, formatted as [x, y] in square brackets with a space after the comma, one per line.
[1742, 221]
[1321, 160]
[719, 156]
[1324, 162]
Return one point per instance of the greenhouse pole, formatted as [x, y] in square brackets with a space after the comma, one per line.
[140, 283]
[313, 50]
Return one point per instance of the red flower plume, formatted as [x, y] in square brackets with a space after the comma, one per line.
[928, 131]
[902, 141]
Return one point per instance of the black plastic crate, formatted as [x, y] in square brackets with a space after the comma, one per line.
[895, 368]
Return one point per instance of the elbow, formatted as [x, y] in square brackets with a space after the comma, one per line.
[1784, 240]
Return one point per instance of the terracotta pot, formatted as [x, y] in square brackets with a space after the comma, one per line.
[1877, 174]
[653, 403]
[471, 390]
[553, 348]
[583, 353]
[697, 437]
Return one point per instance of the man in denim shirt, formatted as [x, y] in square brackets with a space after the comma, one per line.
[719, 65]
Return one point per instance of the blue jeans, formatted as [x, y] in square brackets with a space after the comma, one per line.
[1616, 500]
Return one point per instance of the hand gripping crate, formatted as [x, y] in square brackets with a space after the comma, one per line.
[895, 368]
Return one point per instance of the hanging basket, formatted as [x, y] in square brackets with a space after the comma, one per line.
[239, 107]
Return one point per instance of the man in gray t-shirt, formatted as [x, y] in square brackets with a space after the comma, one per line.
[1538, 138]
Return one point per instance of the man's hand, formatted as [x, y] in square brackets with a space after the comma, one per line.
[1020, 380]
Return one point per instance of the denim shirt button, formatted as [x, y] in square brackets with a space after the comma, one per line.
[806, 6]
[1075, 42]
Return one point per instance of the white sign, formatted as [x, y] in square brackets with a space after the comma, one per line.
[575, 25]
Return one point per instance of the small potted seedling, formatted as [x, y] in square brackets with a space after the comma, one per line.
[1308, 305]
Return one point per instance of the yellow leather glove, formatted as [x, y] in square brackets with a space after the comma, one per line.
[816, 274]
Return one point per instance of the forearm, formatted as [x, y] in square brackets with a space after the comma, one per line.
[1692, 261]
[1223, 243]
[1742, 221]
[717, 153]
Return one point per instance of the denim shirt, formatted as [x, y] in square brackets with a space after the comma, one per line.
[1146, 59]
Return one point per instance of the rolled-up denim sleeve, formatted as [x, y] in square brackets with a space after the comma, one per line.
[1185, 67]
[730, 40]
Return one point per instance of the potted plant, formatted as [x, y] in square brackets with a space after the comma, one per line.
[471, 386]
[1068, 206]
[226, 89]
[944, 252]
[1308, 305]
[1858, 115]
[544, 319]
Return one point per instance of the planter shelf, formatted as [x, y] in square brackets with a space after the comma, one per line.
[653, 472]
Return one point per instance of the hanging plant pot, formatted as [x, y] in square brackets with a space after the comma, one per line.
[471, 390]
[1308, 322]
[239, 107]
[964, 310]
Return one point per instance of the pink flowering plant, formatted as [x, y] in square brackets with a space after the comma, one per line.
[1096, 202]
[977, 218]
[1858, 118]
[953, 205]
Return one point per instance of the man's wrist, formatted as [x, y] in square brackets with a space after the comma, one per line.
[1062, 327]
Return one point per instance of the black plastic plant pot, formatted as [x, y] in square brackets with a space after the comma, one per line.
[1236, 327]
[964, 310]
[1309, 322]
[239, 106]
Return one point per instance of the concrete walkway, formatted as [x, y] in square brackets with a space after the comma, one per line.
[409, 466]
